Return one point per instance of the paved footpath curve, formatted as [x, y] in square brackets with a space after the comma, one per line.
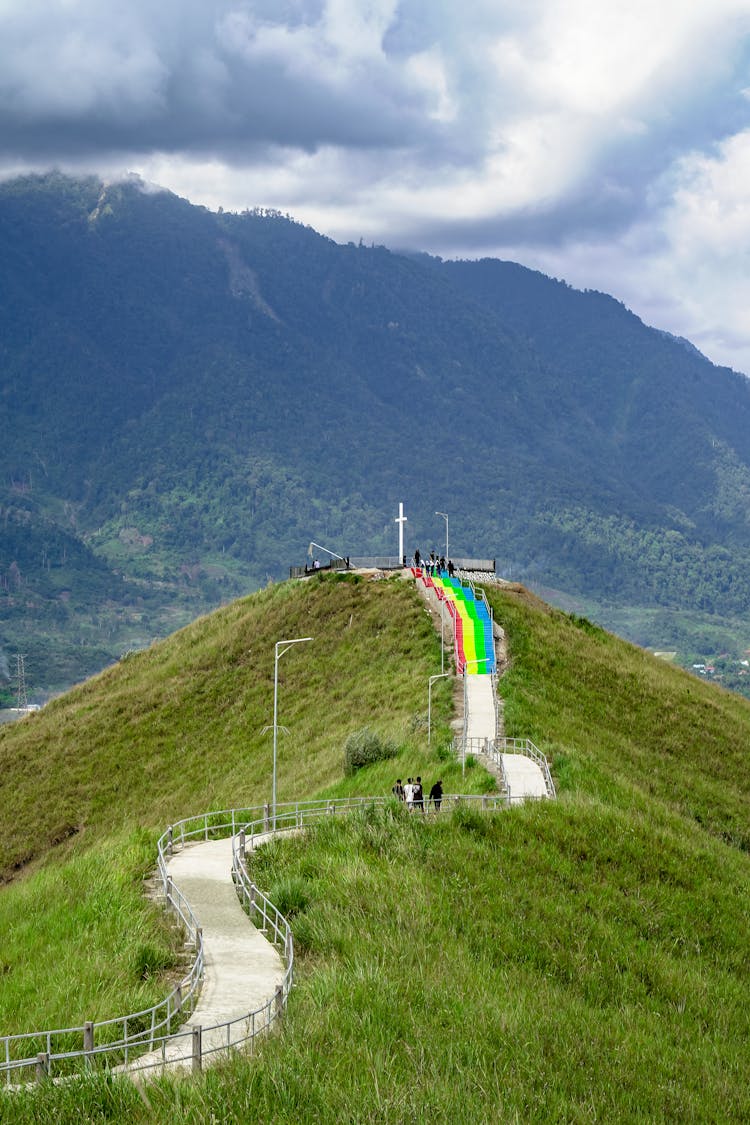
[242, 968]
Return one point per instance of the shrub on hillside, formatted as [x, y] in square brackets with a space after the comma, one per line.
[365, 746]
[290, 895]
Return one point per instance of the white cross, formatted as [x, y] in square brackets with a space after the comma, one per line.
[400, 520]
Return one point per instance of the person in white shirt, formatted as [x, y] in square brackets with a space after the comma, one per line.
[409, 794]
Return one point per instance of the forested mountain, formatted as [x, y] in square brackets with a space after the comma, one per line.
[188, 398]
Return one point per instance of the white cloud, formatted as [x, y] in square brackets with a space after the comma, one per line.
[604, 142]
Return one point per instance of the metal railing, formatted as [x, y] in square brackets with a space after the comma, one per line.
[377, 562]
[526, 746]
[355, 562]
[139, 1031]
[147, 1040]
[481, 567]
[494, 748]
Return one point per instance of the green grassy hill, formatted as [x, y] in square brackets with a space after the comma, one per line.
[581, 960]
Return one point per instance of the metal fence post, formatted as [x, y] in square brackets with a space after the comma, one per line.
[242, 844]
[169, 840]
[197, 1048]
[266, 818]
[278, 1000]
[42, 1066]
[88, 1038]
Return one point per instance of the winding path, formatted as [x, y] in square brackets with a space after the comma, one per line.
[242, 969]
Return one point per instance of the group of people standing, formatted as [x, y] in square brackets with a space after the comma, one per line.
[412, 794]
[434, 565]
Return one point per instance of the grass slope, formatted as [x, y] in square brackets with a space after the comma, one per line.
[178, 729]
[583, 960]
[87, 784]
[622, 726]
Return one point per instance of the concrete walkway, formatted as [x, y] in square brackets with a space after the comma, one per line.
[523, 776]
[480, 707]
[242, 968]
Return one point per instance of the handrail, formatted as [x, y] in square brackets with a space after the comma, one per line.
[145, 1048]
[532, 751]
[526, 747]
[494, 748]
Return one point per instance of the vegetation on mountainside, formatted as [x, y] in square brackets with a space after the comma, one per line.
[622, 726]
[87, 784]
[187, 399]
[179, 729]
[578, 960]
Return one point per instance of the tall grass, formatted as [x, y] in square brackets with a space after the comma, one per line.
[174, 731]
[579, 960]
[81, 942]
[620, 724]
[564, 962]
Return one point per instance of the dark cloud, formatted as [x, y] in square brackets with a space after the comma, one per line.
[213, 77]
[552, 126]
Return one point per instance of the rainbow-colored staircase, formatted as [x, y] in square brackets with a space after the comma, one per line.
[472, 622]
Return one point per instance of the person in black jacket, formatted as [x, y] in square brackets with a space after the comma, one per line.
[419, 795]
[436, 795]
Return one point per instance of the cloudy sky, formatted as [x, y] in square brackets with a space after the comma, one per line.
[607, 142]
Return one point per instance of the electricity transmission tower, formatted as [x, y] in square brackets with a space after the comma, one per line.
[21, 699]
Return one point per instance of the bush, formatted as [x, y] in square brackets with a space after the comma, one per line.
[365, 746]
[290, 896]
[150, 960]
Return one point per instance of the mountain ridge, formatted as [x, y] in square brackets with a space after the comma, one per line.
[194, 396]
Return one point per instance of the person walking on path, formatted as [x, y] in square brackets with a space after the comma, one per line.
[436, 795]
[398, 790]
[409, 794]
[419, 795]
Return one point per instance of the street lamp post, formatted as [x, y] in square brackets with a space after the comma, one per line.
[447, 556]
[278, 653]
[432, 679]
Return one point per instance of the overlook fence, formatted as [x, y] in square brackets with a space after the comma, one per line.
[477, 569]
